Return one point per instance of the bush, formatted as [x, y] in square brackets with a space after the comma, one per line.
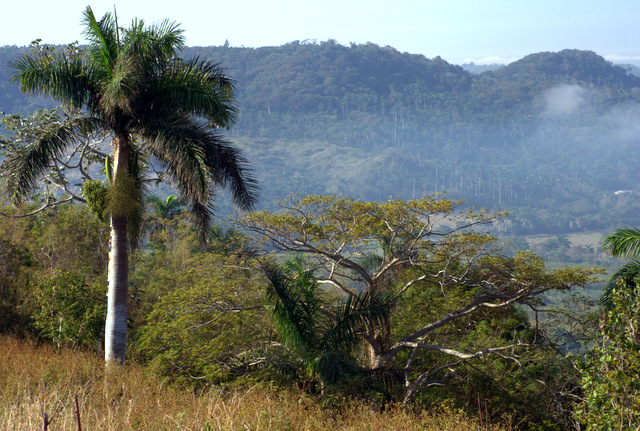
[69, 311]
[611, 378]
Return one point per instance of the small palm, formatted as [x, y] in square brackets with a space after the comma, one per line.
[327, 342]
[165, 209]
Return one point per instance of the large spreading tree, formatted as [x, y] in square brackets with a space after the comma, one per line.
[131, 83]
[451, 297]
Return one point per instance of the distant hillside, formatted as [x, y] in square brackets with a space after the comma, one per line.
[583, 67]
[550, 137]
[635, 70]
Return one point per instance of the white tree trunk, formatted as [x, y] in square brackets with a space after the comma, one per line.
[115, 348]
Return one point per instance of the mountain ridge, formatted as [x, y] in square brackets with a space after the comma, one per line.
[539, 136]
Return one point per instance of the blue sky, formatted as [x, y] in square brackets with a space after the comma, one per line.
[457, 30]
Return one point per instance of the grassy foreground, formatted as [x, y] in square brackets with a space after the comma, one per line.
[38, 379]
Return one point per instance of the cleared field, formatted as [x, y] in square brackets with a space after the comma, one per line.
[576, 239]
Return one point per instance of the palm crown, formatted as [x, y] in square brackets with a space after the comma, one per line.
[132, 83]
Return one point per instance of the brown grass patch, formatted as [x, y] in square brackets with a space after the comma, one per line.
[35, 379]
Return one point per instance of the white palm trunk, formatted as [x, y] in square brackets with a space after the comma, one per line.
[115, 348]
[116, 324]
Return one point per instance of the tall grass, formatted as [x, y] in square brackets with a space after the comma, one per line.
[38, 379]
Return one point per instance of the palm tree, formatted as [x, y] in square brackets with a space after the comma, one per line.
[132, 83]
[326, 337]
[164, 209]
[623, 243]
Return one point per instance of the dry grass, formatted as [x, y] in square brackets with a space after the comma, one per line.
[35, 379]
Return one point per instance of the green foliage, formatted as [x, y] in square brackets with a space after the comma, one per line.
[15, 266]
[611, 371]
[295, 305]
[456, 324]
[626, 276]
[166, 209]
[68, 311]
[206, 319]
[197, 316]
[527, 383]
[67, 239]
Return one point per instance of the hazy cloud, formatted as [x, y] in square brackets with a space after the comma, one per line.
[564, 99]
[614, 58]
[623, 121]
[496, 59]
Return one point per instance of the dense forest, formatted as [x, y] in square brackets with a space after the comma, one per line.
[354, 282]
[551, 137]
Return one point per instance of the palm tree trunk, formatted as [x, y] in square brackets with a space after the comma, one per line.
[116, 326]
[118, 294]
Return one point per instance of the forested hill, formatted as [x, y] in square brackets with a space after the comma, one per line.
[327, 76]
[551, 137]
[331, 78]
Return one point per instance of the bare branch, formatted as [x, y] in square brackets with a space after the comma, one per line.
[42, 208]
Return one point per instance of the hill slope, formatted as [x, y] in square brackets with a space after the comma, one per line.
[551, 137]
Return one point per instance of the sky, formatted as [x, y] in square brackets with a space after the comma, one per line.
[459, 31]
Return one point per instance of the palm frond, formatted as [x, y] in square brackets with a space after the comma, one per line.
[176, 141]
[164, 209]
[102, 36]
[120, 88]
[199, 87]
[202, 216]
[158, 42]
[294, 316]
[624, 242]
[371, 261]
[229, 169]
[197, 159]
[169, 38]
[27, 166]
[332, 365]
[627, 276]
[354, 313]
[57, 76]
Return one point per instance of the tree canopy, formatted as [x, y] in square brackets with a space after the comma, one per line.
[419, 250]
